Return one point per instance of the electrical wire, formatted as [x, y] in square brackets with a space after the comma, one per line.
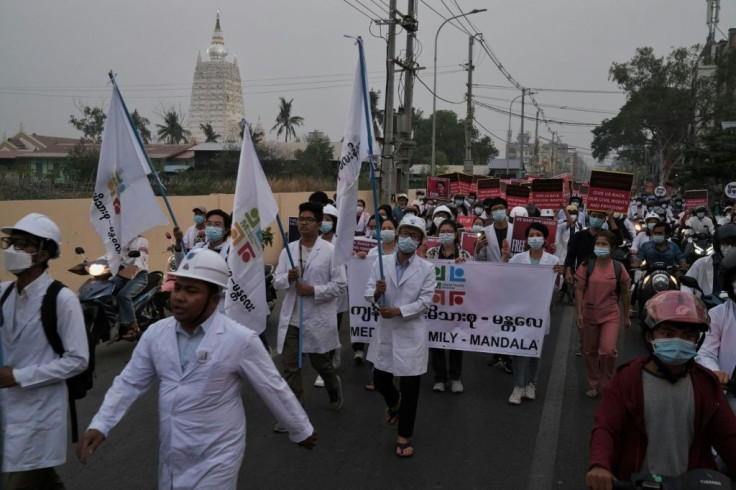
[488, 130]
[377, 16]
[356, 8]
[435, 95]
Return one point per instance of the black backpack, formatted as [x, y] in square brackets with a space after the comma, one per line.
[616, 268]
[79, 384]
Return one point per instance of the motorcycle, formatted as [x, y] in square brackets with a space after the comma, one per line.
[656, 278]
[697, 245]
[710, 300]
[163, 295]
[699, 479]
[99, 304]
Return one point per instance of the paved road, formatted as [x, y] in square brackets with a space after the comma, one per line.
[472, 440]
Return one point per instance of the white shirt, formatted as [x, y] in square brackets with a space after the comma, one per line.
[191, 237]
[640, 239]
[718, 352]
[698, 225]
[702, 271]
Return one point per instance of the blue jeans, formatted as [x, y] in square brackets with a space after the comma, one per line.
[526, 370]
[129, 289]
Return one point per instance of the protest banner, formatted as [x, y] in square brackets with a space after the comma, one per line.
[696, 198]
[465, 221]
[488, 188]
[294, 234]
[566, 186]
[609, 191]
[547, 193]
[517, 195]
[518, 237]
[361, 244]
[438, 188]
[460, 183]
[474, 185]
[432, 241]
[477, 306]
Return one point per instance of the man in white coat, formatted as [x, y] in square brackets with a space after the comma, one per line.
[318, 283]
[399, 346]
[494, 244]
[201, 358]
[33, 391]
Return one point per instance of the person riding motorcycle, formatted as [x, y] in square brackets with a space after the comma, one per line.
[637, 209]
[130, 280]
[698, 222]
[645, 235]
[705, 269]
[660, 249]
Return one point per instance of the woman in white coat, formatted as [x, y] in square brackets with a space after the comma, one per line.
[200, 357]
[399, 346]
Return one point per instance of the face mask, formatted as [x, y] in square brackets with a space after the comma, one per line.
[359, 209]
[420, 197]
[198, 219]
[370, 233]
[726, 249]
[651, 225]
[499, 215]
[447, 238]
[407, 245]
[601, 251]
[596, 222]
[438, 221]
[638, 203]
[471, 201]
[576, 204]
[326, 227]
[17, 261]
[574, 216]
[700, 215]
[388, 235]
[658, 238]
[478, 210]
[214, 234]
[674, 351]
[535, 242]
[410, 213]
[479, 228]
[459, 202]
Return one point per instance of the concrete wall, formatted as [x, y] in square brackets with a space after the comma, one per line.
[72, 216]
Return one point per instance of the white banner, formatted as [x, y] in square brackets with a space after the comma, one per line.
[254, 206]
[355, 149]
[123, 205]
[477, 306]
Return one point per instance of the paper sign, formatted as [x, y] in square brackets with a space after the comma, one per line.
[363, 244]
[468, 241]
[294, 234]
[609, 191]
[696, 198]
[459, 183]
[521, 223]
[517, 195]
[729, 190]
[488, 188]
[547, 193]
[465, 221]
[438, 188]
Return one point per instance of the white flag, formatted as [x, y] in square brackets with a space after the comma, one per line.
[123, 205]
[255, 205]
[354, 150]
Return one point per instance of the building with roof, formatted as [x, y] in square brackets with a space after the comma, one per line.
[217, 94]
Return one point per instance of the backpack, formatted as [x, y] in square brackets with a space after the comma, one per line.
[79, 384]
[616, 268]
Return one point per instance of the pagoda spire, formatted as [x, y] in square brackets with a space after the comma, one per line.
[217, 50]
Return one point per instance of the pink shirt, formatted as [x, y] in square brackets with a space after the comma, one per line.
[600, 295]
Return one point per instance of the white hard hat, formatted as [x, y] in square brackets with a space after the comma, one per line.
[399, 196]
[204, 265]
[414, 222]
[330, 210]
[441, 209]
[519, 211]
[651, 215]
[39, 225]
[547, 213]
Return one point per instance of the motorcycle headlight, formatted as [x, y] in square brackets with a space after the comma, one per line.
[96, 270]
[709, 251]
[698, 250]
[660, 282]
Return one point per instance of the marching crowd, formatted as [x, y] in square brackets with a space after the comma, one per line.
[662, 413]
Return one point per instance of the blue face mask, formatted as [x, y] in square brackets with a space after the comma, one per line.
[596, 222]
[674, 351]
[535, 242]
[499, 215]
[651, 225]
[407, 245]
[214, 234]
[479, 228]
[325, 227]
[198, 219]
[602, 251]
[658, 238]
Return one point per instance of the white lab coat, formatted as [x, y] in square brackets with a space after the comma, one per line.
[35, 411]
[718, 352]
[562, 238]
[320, 311]
[702, 271]
[201, 416]
[399, 345]
[492, 252]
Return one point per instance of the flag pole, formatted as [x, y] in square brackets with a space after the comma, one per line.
[143, 149]
[301, 299]
[369, 127]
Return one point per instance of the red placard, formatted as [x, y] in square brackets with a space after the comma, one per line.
[547, 193]
[468, 241]
[459, 183]
[438, 188]
[518, 238]
[696, 198]
[465, 221]
[609, 191]
[566, 187]
[488, 188]
[517, 195]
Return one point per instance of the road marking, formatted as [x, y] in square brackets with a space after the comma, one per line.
[545, 448]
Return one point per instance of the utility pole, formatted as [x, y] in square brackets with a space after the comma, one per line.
[536, 143]
[521, 135]
[404, 116]
[387, 158]
[468, 162]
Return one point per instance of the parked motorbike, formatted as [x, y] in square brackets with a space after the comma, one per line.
[99, 303]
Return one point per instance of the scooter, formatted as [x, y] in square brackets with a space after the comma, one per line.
[699, 479]
[656, 278]
[697, 245]
[99, 303]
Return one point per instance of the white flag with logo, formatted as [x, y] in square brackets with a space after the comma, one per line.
[355, 149]
[255, 205]
[123, 205]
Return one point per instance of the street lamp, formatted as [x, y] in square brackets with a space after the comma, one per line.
[434, 85]
[508, 135]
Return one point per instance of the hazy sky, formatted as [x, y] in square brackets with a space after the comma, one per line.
[56, 53]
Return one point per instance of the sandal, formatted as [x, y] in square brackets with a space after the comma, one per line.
[592, 393]
[369, 386]
[131, 334]
[391, 416]
[401, 450]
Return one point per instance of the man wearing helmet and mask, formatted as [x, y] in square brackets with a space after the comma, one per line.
[705, 269]
[200, 358]
[663, 413]
[33, 392]
[698, 222]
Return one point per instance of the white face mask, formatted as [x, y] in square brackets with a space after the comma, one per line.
[17, 261]
[359, 209]
[447, 238]
[478, 210]
[438, 221]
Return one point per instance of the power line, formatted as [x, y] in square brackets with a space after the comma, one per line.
[356, 8]
[488, 131]
[541, 89]
[552, 106]
[430, 91]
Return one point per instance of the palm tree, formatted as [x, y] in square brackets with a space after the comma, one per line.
[141, 124]
[209, 133]
[172, 130]
[285, 122]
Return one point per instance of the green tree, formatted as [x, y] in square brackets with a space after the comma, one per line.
[141, 124]
[209, 133]
[709, 162]
[316, 159]
[91, 123]
[80, 165]
[172, 130]
[285, 122]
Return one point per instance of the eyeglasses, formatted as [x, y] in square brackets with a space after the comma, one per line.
[306, 220]
[17, 243]
[413, 235]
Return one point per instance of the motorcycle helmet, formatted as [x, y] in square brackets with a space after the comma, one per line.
[651, 215]
[41, 226]
[204, 265]
[727, 269]
[548, 213]
[722, 233]
[678, 307]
